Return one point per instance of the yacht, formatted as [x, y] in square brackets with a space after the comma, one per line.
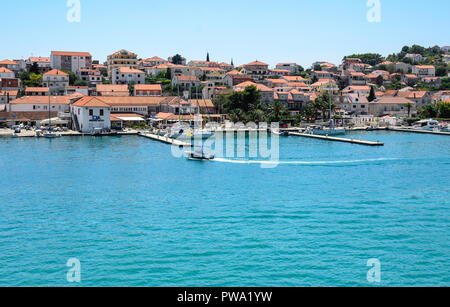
[428, 125]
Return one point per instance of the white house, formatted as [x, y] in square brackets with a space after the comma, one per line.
[56, 80]
[415, 58]
[6, 73]
[424, 71]
[292, 67]
[91, 113]
[40, 103]
[126, 75]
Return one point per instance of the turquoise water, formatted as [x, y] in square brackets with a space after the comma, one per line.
[135, 216]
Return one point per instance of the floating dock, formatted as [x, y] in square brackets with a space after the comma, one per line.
[419, 131]
[165, 139]
[335, 139]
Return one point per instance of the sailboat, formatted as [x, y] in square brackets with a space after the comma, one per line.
[191, 133]
[50, 134]
[332, 130]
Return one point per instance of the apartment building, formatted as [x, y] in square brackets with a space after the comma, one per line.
[70, 61]
[122, 58]
[56, 80]
[127, 75]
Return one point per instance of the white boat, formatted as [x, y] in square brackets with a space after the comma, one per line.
[329, 131]
[51, 135]
[198, 155]
[428, 125]
[196, 134]
[326, 130]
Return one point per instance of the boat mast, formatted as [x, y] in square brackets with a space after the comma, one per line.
[331, 108]
[49, 114]
[179, 104]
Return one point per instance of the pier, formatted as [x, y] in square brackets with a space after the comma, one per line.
[165, 139]
[336, 139]
[419, 131]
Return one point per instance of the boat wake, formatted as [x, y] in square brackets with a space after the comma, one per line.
[221, 160]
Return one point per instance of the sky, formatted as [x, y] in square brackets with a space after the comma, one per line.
[246, 30]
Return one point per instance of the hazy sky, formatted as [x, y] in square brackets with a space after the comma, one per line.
[245, 30]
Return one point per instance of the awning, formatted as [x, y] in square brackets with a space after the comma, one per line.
[131, 119]
[55, 121]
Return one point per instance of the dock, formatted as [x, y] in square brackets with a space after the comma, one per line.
[336, 139]
[165, 139]
[419, 131]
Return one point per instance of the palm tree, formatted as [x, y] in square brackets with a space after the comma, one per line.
[409, 106]
[277, 112]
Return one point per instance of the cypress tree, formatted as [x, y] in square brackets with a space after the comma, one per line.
[372, 95]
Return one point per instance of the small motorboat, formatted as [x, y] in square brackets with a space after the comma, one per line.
[50, 134]
[199, 155]
[279, 132]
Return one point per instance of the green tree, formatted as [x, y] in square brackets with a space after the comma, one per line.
[322, 104]
[443, 109]
[207, 57]
[34, 80]
[372, 59]
[277, 112]
[429, 111]
[372, 95]
[34, 68]
[72, 77]
[445, 84]
[409, 107]
[131, 88]
[177, 59]
[169, 74]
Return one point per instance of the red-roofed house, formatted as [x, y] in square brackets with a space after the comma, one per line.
[292, 67]
[11, 65]
[424, 71]
[185, 81]
[91, 115]
[126, 75]
[56, 80]
[258, 70]
[40, 103]
[37, 91]
[43, 64]
[394, 106]
[147, 90]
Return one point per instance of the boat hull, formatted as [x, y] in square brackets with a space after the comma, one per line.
[329, 132]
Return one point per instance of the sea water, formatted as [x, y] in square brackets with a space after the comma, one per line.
[133, 215]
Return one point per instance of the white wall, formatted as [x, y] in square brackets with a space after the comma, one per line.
[86, 122]
[29, 107]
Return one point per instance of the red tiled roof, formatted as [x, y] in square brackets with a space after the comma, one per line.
[42, 100]
[70, 53]
[93, 102]
[55, 72]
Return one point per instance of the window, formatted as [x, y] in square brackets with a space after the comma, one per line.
[91, 112]
[101, 112]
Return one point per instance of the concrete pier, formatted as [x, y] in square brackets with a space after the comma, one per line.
[336, 139]
[164, 139]
[419, 131]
